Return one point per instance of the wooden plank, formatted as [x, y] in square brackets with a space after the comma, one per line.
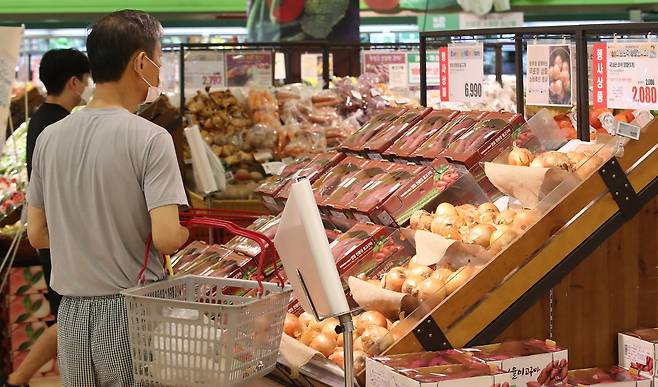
[521, 281]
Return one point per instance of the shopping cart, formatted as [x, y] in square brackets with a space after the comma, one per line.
[185, 332]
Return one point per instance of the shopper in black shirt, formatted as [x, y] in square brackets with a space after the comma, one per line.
[65, 74]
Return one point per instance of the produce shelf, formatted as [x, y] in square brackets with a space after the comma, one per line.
[566, 234]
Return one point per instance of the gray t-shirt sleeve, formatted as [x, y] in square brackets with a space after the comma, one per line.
[163, 184]
[35, 185]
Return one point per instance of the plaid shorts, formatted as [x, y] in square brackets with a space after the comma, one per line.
[93, 347]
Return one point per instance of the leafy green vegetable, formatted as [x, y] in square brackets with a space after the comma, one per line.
[320, 16]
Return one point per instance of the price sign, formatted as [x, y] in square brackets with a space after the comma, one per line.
[624, 75]
[390, 66]
[431, 67]
[550, 69]
[204, 69]
[311, 68]
[249, 68]
[461, 68]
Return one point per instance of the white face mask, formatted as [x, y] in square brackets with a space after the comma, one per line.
[153, 91]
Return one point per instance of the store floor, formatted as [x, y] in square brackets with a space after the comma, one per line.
[54, 382]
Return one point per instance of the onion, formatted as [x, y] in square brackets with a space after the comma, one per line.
[338, 357]
[376, 339]
[329, 327]
[307, 319]
[393, 280]
[443, 221]
[450, 232]
[459, 278]
[538, 162]
[506, 217]
[469, 213]
[358, 344]
[292, 326]
[410, 284]
[481, 234]
[324, 344]
[503, 236]
[309, 334]
[425, 222]
[446, 209]
[339, 340]
[371, 318]
[420, 271]
[576, 159]
[557, 160]
[432, 287]
[487, 207]
[519, 156]
[442, 273]
[416, 217]
[359, 360]
[524, 219]
[488, 217]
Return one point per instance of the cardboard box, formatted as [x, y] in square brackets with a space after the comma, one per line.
[328, 183]
[268, 189]
[23, 336]
[454, 375]
[638, 350]
[426, 359]
[28, 308]
[376, 146]
[404, 147]
[527, 361]
[420, 191]
[485, 140]
[312, 171]
[354, 144]
[436, 144]
[610, 377]
[27, 280]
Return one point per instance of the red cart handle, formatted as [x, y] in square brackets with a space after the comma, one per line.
[263, 242]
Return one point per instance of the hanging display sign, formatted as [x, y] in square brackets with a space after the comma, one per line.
[279, 66]
[311, 68]
[624, 75]
[11, 38]
[549, 75]
[461, 69]
[431, 68]
[204, 69]
[390, 66]
[249, 68]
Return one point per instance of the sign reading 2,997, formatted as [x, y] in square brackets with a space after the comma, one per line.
[462, 72]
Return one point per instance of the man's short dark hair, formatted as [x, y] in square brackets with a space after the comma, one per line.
[114, 38]
[58, 66]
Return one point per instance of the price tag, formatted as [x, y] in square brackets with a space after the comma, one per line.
[279, 65]
[311, 68]
[465, 72]
[204, 69]
[625, 75]
[628, 130]
[390, 66]
[229, 175]
[274, 167]
[431, 67]
[249, 68]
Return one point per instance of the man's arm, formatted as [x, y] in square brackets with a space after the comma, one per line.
[37, 227]
[168, 234]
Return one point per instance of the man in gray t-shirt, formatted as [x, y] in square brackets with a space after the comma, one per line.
[103, 180]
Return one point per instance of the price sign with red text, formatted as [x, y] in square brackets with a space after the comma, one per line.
[204, 68]
[461, 69]
[624, 75]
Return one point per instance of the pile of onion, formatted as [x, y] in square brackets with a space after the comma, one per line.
[520, 156]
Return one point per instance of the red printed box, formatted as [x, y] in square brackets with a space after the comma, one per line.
[453, 375]
[327, 184]
[639, 350]
[386, 137]
[355, 144]
[273, 184]
[528, 361]
[436, 144]
[404, 147]
[28, 308]
[26, 280]
[610, 377]
[420, 191]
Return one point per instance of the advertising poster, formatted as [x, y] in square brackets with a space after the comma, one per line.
[549, 75]
[249, 69]
[390, 66]
[432, 68]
